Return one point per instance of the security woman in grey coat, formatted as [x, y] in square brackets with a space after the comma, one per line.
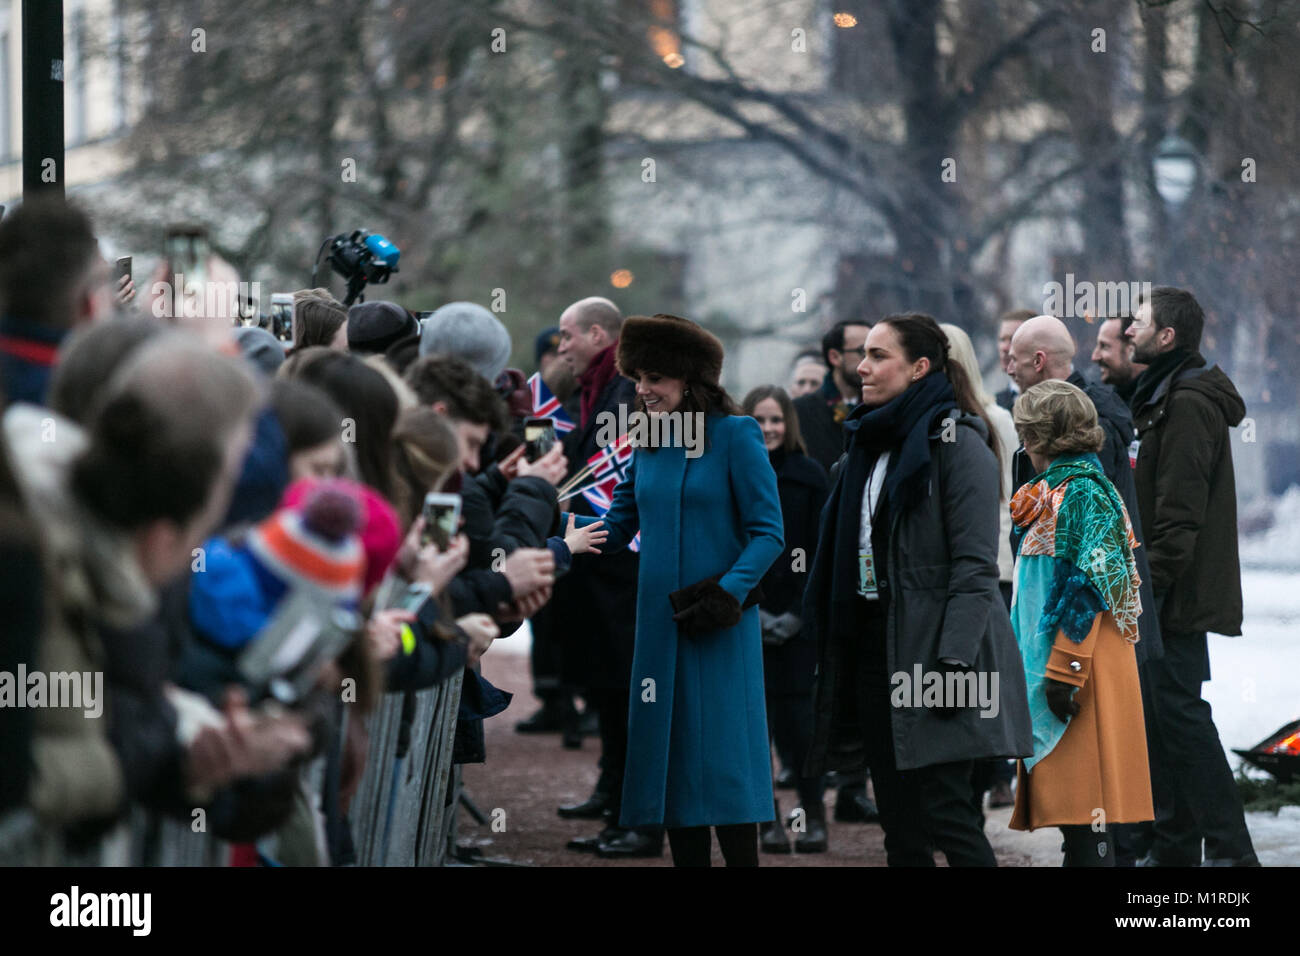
[919, 674]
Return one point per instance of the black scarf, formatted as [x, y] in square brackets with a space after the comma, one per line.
[1144, 387]
[902, 426]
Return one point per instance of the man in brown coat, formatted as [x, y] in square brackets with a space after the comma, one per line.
[1187, 499]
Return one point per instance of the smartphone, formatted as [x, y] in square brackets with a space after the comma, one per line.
[123, 268]
[539, 437]
[413, 598]
[280, 321]
[441, 518]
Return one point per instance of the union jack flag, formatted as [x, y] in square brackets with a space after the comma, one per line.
[608, 468]
[546, 405]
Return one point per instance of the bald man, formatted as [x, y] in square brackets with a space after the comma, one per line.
[1043, 349]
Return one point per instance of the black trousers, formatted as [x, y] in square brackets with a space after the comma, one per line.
[1195, 794]
[790, 725]
[611, 707]
[547, 659]
[920, 810]
[693, 846]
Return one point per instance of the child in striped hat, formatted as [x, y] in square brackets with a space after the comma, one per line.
[313, 543]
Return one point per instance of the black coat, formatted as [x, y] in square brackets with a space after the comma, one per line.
[1186, 491]
[506, 515]
[822, 434]
[1117, 426]
[593, 609]
[801, 483]
[940, 580]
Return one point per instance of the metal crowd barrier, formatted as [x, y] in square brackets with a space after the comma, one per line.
[402, 813]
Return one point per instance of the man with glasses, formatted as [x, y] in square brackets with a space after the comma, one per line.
[1187, 496]
[822, 413]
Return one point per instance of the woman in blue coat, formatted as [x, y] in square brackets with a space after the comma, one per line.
[705, 502]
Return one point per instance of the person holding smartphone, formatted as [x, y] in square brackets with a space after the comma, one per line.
[710, 524]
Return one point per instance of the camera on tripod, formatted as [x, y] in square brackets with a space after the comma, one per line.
[360, 258]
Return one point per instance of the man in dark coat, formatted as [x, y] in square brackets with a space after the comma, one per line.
[821, 423]
[1187, 495]
[822, 413]
[558, 712]
[594, 605]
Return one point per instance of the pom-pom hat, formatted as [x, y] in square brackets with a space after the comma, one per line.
[316, 543]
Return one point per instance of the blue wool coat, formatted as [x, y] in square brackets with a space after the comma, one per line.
[697, 751]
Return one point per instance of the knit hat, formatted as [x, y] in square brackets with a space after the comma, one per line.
[380, 531]
[311, 539]
[261, 348]
[548, 340]
[671, 346]
[470, 333]
[374, 326]
[314, 539]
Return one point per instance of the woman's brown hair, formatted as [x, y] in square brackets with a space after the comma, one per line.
[920, 337]
[425, 453]
[793, 439]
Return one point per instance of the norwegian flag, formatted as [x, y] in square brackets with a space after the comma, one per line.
[546, 405]
[609, 467]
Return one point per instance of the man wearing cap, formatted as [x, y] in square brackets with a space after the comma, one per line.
[374, 326]
[470, 333]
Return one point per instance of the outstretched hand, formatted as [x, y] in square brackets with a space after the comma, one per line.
[583, 540]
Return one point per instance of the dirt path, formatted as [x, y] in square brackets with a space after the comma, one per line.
[528, 776]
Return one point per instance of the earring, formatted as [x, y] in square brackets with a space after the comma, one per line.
[686, 391]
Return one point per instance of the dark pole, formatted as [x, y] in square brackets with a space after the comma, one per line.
[42, 96]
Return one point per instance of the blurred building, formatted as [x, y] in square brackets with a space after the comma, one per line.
[99, 105]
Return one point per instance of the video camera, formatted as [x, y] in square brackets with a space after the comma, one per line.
[360, 258]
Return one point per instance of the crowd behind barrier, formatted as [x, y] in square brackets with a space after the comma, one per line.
[286, 559]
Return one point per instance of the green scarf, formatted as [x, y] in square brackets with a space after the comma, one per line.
[1093, 533]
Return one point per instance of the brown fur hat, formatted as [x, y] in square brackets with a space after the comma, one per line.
[671, 346]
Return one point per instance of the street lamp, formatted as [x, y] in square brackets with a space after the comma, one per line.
[1175, 166]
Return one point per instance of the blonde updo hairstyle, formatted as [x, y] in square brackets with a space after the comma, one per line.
[1055, 418]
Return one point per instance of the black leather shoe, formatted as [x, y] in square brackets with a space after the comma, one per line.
[812, 840]
[590, 809]
[591, 844]
[771, 839]
[547, 720]
[785, 780]
[855, 808]
[631, 845]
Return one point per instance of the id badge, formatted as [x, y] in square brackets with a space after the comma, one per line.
[1133, 453]
[867, 575]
